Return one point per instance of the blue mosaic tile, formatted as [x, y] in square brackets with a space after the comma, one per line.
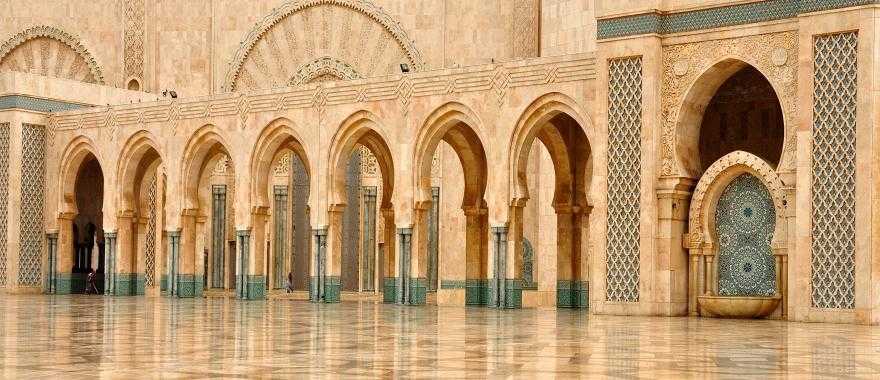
[37, 104]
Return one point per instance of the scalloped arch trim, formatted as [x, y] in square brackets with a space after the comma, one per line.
[57, 34]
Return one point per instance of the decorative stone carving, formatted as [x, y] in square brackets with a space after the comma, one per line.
[222, 167]
[133, 43]
[369, 164]
[282, 168]
[336, 16]
[49, 39]
[764, 52]
[527, 17]
[322, 70]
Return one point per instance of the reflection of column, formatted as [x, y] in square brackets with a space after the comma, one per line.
[316, 282]
[404, 237]
[52, 262]
[110, 266]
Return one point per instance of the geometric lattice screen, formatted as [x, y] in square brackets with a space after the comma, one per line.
[150, 238]
[4, 197]
[834, 171]
[33, 138]
[624, 178]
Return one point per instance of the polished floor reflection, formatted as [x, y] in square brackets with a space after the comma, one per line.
[73, 336]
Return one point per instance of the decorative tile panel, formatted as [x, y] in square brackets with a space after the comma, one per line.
[4, 197]
[834, 171]
[745, 219]
[32, 187]
[624, 178]
[528, 265]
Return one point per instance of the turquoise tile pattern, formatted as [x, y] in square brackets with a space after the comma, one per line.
[739, 14]
[36, 104]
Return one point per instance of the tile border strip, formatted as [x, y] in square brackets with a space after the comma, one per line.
[738, 14]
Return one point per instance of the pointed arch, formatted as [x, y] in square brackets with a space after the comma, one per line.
[139, 153]
[204, 143]
[365, 128]
[75, 154]
[278, 134]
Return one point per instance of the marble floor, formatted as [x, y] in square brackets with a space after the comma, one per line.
[136, 337]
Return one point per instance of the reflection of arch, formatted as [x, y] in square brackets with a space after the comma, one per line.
[693, 107]
[459, 126]
[530, 125]
[363, 128]
[277, 135]
[76, 153]
[81, 54]
[138, 155]
[260, 37]
[701, 240]
[323, 69]
[204, 143]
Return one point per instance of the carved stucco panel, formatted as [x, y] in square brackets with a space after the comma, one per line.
[774, 55]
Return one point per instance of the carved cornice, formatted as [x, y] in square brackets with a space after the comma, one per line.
[367, 8]
[51, 32]
[324, 66]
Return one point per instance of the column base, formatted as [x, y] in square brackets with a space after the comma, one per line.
[255, 288]
[130, 284]
[572, 294]
[512, 297]
[332, 289]
[70, 283]
[190, 286]
[418, 291]
[476, 292]
[313, 289]
[389, 290]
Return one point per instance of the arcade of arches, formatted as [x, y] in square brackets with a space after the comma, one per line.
[325, 153]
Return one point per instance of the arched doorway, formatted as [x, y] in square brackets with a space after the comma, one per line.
[140, 218]
[207, 260]
[281, 186]
[358, 256]
[733, 152]
[563, 159]
[463, 264]
[81, 238]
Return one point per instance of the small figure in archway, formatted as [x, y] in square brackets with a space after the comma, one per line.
[288, 285]
[90, 282]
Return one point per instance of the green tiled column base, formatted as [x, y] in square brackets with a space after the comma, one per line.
[163, 283]
[313, 289]
[572, 294]
[418, 291]
[513, 294]
[476, 292]
[389, 290]
[70, 283]
[332, 287]
[130, 284]
[256, 287]
[187, 287]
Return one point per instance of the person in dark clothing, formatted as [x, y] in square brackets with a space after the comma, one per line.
[90, 282]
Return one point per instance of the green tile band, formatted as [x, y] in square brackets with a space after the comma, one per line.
[332, 289]
[453, 284]
[738, 14]
[476, 292]
[389, 290]
[572, 294]
[418, 291]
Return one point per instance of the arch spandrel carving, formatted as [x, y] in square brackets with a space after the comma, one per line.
[715, 180]
[355, 31]
[774, 55]
[50, 51]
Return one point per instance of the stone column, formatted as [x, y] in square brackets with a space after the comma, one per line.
[250, 284]
[673, 206]
[476, 280]
[389, 253]
[415, 250]
[404, 238]
[64, 281]
[173, 263]
[505, 293]
[319, 251]
[333, 256]
[51, 262]
[124, 266]
[110, 265]
[565, 281]
[185, 280]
